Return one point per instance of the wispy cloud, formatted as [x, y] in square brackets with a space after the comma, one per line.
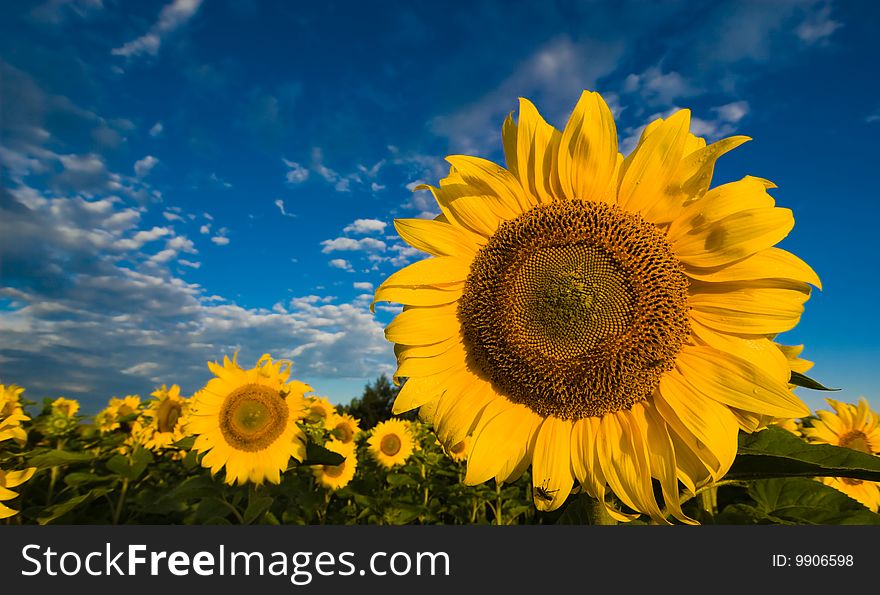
[818, 26]
[280, 204]
[342, 264]
[143, 167]
[296, 173]
[365, 226]
[171, 17]
[351, 244]
[156, 129]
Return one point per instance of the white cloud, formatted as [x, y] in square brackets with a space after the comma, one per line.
[365, 226]
[377, 187]
[220, 240]
[363, 285]
[280, 204]
[172, 216]
[658, 87]
[189, 263]
[142, 167]
[171, 17]
[296, 174]
[156, 129]
[366, 244]
[818, 26]
[205, 229]
[341, 263]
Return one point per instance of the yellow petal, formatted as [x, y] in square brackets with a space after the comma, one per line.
[480, 214]
[694, 173]
[752, 348]
[536, 151]
[488, 178]
[508, 138]
[662, 457]
[707, 427]
[766, 264]
[13, 479]
[759, 308]
[738, 383]
[647, 184]
[415, 367]
[423, 326]
[501, 438]
[435, 237]
[431, 272]
[459, 409]
[727, 199]
[418, 296]
[551, 464]
[736, 236]
[587, 162]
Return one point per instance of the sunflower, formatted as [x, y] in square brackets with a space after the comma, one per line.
[12, 479]
[65, 407]
[164, 418]
[391, 443]
[606, 320]
[343, 427]
[245, 420]
[459, 451]
[790, 425]
[855, 427]
[334, 477]
[118, 414]
[12, 414]
[319, 409]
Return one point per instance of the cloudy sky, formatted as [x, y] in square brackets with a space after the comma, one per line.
[186, 178]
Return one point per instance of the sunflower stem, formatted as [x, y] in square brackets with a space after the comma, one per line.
[498, 515]
[117, 512]
[709, 500]
[599, 514]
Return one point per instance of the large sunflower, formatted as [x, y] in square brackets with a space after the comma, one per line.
[855, 427]
[245, 420]
[391, 443]
[606, 320]
[12, 414]
[334, 477]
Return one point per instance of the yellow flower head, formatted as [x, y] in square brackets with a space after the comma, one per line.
[391, 443]
[855, 427]
[343, 427]
[334, 477]
[164, 419]
[459, 451]
[790, 425]
[118, 411]
[245, 420]
[319, 409]
[12, 414]
[65, 407]
[606, 320]
[12, 479]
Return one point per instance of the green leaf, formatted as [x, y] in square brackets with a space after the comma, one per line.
[796, 500]
[318, 455]
[79, 479]
[577, 512]
[130, 467]
[58, 510]
[257, 506]
[400, 479]
[55, 458]
[775, 452]
[805, 381]
[186, 443]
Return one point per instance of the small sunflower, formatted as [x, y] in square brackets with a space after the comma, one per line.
[855, 427]
[12, 414]
[459, 451]
[606, 320]
[118, 414]
[343, 427]
[319, 409]
[245, 420]
[391, 443]
[790, 425]
[8, 480]
[164, 418]
[334, 477]
[65, 407]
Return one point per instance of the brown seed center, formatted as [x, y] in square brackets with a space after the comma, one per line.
[253, 416]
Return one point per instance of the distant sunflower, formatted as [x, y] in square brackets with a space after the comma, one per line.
[319, 409]
[334, 477]
[343, 427]
[164, 418]
[855, 427]
[12, 414]
[391, 443]
[459, 451]
[117, 414]
[64, 406]
[245, 420]
[606, 320]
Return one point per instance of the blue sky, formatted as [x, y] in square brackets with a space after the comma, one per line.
[183, 179]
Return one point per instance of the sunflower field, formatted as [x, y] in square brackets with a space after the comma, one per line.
[589, 338]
